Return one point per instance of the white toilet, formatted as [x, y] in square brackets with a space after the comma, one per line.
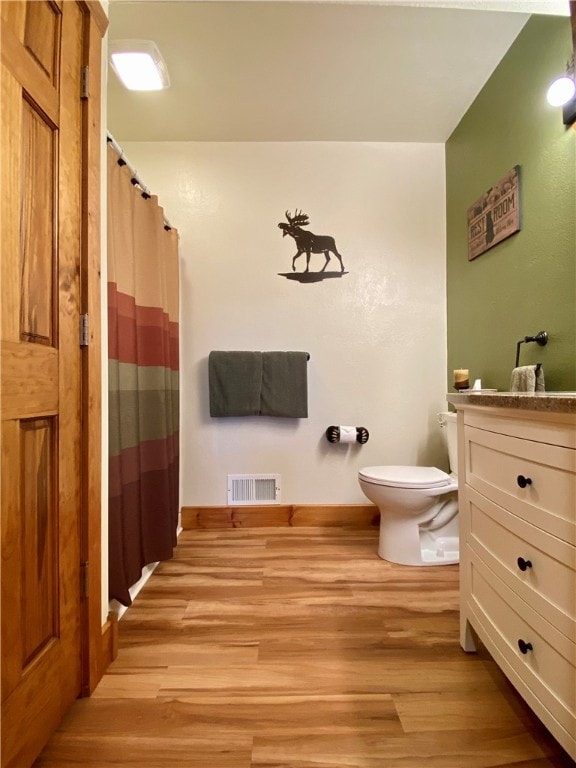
[418, 507]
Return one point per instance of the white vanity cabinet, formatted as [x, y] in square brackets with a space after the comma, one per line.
[517, 471]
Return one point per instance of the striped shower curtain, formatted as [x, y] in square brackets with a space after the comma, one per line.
[143, 287]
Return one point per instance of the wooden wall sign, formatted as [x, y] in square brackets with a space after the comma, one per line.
[494, 216]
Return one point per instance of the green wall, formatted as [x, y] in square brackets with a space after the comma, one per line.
[526, 283]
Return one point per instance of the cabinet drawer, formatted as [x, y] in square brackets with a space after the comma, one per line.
[548, 669]
[497, 466]
[508, 544]
[538, 426]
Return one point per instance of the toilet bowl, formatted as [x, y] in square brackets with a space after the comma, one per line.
[418, 507]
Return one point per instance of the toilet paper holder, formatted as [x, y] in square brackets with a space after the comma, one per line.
[333, 434]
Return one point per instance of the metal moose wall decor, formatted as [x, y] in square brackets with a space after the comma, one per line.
[307, 242]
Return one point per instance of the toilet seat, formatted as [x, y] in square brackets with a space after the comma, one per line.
[406, 477]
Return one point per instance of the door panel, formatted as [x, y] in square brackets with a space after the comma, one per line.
[37, 255]
[39, 527]
[42, 47]
[41, 36]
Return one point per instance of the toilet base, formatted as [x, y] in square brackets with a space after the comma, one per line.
[445, 552]
[406, 543]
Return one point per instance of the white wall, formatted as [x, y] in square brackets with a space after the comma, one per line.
[376, 336]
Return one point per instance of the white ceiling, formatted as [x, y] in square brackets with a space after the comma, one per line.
[313, 71]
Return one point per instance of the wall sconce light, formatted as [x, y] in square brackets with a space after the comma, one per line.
[562, 93]
[139, 65]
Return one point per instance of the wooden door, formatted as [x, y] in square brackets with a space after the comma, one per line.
[41, 160]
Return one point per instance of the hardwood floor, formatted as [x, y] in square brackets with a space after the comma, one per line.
[298, 648]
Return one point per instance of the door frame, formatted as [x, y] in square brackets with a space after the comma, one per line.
[98, 639]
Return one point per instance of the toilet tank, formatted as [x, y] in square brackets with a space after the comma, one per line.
[448, 424]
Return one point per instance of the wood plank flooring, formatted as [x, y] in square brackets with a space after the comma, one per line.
[298, 648]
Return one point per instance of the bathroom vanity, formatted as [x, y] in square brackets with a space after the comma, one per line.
[517, 500]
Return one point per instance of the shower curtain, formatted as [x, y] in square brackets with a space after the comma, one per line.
[143, 295]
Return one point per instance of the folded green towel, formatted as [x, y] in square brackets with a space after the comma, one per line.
[284, 384]
[258, 383]
[235, 383]
[527, 378]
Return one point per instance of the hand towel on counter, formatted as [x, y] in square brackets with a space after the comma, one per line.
[284, 384]
[527, 378]
[235, 383]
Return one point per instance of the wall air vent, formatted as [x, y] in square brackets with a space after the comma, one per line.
[253, 489]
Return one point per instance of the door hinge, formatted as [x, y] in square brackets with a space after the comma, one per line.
[84, 580]
[84, 331]
[84, 83]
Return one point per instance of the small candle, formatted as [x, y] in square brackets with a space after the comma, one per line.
[461, 378]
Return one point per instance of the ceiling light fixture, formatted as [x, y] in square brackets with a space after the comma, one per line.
[139, 65]
[562, 93]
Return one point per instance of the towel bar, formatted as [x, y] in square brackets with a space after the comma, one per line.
[541, 338]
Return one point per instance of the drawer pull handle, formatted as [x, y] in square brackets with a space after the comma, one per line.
[523, 481]
[524, 564]
[524, 646]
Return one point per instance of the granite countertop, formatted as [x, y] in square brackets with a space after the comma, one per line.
[553, 402]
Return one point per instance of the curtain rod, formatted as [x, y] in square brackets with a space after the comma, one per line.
[135, 179]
